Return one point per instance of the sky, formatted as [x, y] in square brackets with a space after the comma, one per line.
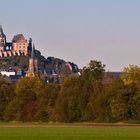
[78, 30]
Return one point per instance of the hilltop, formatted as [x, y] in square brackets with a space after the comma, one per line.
[19, 58]
[51, 68]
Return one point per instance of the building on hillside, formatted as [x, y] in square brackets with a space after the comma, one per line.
[109, 76]
[33, 64]
[12, 71]
[18, 46]
[8, 73]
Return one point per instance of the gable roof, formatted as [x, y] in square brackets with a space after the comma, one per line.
[18, 37]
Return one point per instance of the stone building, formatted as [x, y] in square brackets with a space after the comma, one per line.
[18, 46]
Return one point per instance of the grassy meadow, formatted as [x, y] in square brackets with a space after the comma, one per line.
[66, 133]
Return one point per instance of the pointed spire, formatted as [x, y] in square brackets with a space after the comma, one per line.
[30, 40]
[33, 51]
[33, 46]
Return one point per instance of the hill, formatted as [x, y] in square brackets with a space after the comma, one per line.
[52, 69]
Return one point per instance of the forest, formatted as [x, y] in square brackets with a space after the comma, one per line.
[91, 97]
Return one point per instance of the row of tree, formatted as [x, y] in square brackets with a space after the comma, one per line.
[90, 97]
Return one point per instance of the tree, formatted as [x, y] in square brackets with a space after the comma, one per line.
[46, 103]
[94, 71]
[23, 106]
[131, 74]
[123, 100]
[71, 103]
[6, 95]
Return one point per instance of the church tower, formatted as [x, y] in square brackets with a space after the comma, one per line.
[33, 64]
[2, 39]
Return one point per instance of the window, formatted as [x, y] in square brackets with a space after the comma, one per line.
[7, 48]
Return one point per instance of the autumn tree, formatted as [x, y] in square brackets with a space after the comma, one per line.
[6, 96]
[46, 103]
[23, 106]
[131, 74]
[93, 71]
[71, 103]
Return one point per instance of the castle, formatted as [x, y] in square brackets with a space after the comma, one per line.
[18, 46]
[53, 70]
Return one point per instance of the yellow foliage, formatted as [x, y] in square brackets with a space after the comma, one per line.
[131, 74]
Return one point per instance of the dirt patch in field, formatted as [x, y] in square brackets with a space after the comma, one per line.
[71, 125]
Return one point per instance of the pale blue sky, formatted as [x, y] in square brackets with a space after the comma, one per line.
[78, 30]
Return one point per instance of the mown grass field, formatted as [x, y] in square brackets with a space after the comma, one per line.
[69, 133]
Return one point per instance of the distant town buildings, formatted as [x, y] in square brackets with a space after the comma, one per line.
[13, 73]
[8, 73]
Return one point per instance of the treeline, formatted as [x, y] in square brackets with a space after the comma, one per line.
[91, 97]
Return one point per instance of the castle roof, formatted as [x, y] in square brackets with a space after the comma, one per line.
[18, 37]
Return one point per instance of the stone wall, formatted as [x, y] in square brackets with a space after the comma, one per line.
[12, 53]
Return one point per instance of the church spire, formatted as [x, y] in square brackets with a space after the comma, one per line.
[33, 64]
[33, 51]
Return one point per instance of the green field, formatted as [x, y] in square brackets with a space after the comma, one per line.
[69, 133]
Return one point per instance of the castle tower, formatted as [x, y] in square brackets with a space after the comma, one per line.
[2, 39]
[33, 64]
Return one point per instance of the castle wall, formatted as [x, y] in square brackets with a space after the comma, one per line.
[1, 48]
[18, 48]
[21, 47]
[11, 53]
[0, 54]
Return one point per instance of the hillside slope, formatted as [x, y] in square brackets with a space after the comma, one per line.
[50, 67]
